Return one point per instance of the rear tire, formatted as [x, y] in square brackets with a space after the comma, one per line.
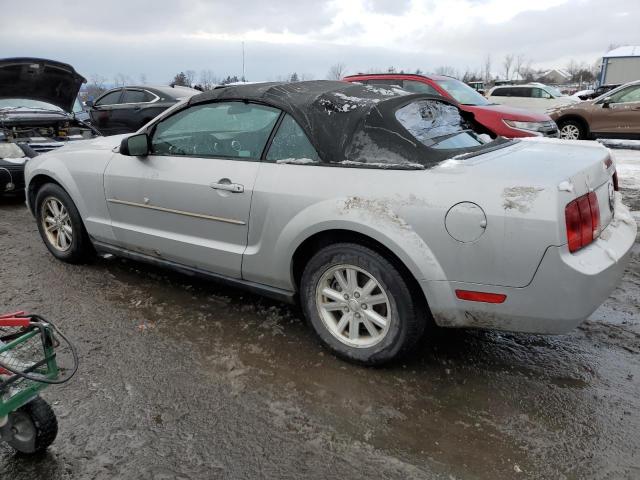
[360, 305]
[572, 130]
[35, 427]
[60, 225]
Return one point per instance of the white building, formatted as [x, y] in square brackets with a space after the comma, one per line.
[621, 65]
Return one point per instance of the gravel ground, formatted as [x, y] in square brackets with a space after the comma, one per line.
[189, 380]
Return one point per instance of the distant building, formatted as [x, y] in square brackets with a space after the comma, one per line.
[554, 77]
[620, 65]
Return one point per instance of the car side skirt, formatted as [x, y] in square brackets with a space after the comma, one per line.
[253, 287]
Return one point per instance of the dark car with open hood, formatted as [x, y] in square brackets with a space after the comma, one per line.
[37, 98]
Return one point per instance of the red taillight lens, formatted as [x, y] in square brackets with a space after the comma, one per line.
[484, 297]
[595, 215]
[582, 217]
[572, 217]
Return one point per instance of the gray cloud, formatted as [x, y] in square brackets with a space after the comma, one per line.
[152, 37]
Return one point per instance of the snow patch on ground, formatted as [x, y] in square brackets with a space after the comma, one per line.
[615, 143]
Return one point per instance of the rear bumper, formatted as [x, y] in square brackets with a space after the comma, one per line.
[565, 290]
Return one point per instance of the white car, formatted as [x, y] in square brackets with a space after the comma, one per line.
[534, 96]
[379, 212]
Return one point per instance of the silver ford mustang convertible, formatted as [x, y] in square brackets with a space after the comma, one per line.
[380, 212]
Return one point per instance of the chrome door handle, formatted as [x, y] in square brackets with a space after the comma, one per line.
[226, 185]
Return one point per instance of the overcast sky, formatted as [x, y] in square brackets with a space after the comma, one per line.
[162, 37]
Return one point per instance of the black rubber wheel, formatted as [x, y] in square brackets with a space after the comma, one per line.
[35, 427]
[397, 316]
[60, 225]
[572, 130]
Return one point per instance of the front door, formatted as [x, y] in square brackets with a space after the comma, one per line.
[620, 114]
[188, 202]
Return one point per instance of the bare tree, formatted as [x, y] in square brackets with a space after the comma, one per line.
[507, 63]
[487, 68]
[208, 80]
[521, 65]
[120, 80]
[447, 70]
[191, 77]
[96, 86]
[143, 79]
[337, 71]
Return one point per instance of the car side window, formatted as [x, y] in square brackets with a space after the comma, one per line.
[500, 92]
[290, 143]
[524, 92]
[136, 96]
[111, 98]
[540, 93]
[222, 129]
[419, 87]
[628, 95]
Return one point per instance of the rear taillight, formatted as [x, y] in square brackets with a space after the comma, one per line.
[582, 217]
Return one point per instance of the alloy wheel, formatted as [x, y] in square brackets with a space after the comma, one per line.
[570, 132]
[56, 223]
[353, 306]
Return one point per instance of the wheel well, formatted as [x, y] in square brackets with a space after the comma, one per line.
[313, 244]
[36, 184]
[574, 118]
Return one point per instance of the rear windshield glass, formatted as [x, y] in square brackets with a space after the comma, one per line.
[437, 125]
[462, 92]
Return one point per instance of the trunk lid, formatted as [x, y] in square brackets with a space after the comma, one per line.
[48, 81]
[523, 190]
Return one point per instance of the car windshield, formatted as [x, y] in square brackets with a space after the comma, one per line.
[13, 103]
[462, 92]
[554, 91]
[77, 106]
[437, 125]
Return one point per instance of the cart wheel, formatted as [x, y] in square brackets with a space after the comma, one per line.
[34, 427]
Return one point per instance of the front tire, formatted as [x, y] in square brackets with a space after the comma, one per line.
[572, 130]
[360, 305]
[60, 225]
[34, 427]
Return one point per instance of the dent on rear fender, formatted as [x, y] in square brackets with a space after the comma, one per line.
[382, 214]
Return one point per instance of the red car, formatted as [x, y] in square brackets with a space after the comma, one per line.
[496, 119]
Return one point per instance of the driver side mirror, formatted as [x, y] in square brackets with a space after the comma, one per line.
[606, 102]
[89, 104]
[135, 145]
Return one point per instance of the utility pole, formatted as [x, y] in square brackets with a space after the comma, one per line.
[243, 79]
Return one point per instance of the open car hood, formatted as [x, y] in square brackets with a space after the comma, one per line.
[49, 81]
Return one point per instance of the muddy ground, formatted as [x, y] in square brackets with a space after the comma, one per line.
[184, 379]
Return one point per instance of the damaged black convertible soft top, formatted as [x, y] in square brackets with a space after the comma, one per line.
[357, 125]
